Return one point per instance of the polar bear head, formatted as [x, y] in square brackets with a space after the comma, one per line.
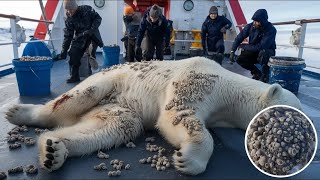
[254, 96]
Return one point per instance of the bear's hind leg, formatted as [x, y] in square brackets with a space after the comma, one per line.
[67, 106]
[102, 128]
[186, 132]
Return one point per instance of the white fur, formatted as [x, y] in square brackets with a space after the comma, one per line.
[88, 127]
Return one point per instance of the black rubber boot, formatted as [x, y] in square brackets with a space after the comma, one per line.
[220, 58]
[74, 75]
[217, 57]
[256, 74]
[265, 74]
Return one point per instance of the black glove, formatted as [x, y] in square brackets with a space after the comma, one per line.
[125, 38]
[138, 51]
[223, 29]
[88, 32]
[167, 50]
[127, 19]
[62, 55]
[232, 58]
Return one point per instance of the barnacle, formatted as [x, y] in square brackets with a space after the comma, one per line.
[127, 167]
[17, 169]
[280, 139]
[3, 175]
[130, 145]
[34, 58]
[29, 141]
[16, 145]
[31, 169]
[142, 161]
[114, 173]
[189, 90]
[100, 167]
[39, 131]
[102, 155]
[160, 162]
[150, 139]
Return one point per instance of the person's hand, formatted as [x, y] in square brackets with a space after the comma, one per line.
[138, 52]
[242, 46]
[223, 30]
[125, 38]
[87, 32]
[62, 55]
[232, 58]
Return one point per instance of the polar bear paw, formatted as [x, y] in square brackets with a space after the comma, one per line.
[187, 163]
[23, 114]
[53, 153]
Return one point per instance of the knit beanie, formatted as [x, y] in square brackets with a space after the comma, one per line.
[70, 4]
[213, 10]
[128, 10]
[155, 11]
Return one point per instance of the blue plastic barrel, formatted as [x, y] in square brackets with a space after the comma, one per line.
[110, 56]
[286, 71]
[33, 77]
[36, 49]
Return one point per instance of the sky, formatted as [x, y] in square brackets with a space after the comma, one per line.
[278, 10]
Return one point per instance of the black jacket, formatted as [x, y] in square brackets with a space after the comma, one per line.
[157, 31]
[259, 39]
[210, 31]
[85, 18]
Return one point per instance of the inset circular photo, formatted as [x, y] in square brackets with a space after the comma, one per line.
[281, 141]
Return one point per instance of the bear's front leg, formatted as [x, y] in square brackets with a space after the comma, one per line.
[190, 135]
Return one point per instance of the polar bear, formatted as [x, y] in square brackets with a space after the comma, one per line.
[182, 99]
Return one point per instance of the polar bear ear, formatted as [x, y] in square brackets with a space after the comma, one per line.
[273, 91]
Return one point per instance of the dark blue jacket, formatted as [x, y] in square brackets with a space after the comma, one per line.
[210, 32]
[157, 31]
[259, 39]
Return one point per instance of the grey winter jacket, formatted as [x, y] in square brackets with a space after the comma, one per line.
[132, 24]
[85, 18]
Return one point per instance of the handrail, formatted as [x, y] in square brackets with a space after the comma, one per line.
[298, 22]
[4, 65]
[23, 18]
[34, 41]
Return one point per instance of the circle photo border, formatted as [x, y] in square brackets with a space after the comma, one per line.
[289, 175]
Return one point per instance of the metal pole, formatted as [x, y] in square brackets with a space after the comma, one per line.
[14, 37]
[302, 39]
[47, 26]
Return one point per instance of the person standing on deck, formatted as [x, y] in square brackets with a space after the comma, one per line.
[131, 20]
[155, 25]
[81, 30]
[260, 48]
[212, 32]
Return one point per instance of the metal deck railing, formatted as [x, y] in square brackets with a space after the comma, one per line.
[301, 46]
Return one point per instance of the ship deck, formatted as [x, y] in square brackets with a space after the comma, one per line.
[229, 160]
